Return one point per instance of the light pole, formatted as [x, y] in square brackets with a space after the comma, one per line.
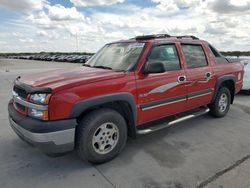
[77, 47]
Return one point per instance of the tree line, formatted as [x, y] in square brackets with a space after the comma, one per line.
[236, 53]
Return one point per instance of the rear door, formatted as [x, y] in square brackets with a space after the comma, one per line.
[162, 94]
[200, 77]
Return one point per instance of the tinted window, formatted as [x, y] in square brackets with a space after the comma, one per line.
[219, 59]
[167, 54]
[214, 51]
[194, 55]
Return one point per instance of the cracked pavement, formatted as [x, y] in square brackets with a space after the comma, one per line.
[203, 152]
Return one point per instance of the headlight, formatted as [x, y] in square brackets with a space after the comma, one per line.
[40, 98]
[43, 115]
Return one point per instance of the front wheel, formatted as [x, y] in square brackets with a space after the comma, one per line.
[101, 135]
[221, 104]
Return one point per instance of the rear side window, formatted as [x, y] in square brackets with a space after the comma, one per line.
[195, 56]
[215, 52]
[219, 59]
[167, 54]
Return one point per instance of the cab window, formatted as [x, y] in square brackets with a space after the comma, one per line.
[166, 54]
[194, 55]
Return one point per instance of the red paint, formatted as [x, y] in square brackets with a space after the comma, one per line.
[73, 85]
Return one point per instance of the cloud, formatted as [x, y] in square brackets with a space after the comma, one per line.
[56, 27]
[17, 34]
[116, 35]
[26, 40]
[176, 4]
[23, 5]
[227, 6]
[52, 35]
[41, 20]
[42, 33]
[216, 30]
[59, 12]
[54, 17]
[85, 3]
[239, 3]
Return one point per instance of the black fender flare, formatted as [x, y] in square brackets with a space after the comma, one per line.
[220, 81]
[84, 105]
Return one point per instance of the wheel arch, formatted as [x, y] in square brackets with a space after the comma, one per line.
[123, 103]
[226, 81]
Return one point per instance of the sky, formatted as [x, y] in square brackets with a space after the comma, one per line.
[86, 25]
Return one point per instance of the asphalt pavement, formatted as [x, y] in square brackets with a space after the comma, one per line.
[202, 152]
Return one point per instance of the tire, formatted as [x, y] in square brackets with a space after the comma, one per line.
[99, 128]
[247, 92]
[219, 108]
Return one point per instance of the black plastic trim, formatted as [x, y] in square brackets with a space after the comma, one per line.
[95, 101]
[194, 94]
[220, 81]
[84, 105]
[30, 89]
[162, 102]
[174, 99]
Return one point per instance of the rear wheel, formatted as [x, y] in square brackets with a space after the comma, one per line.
[101, 136]
[221, 104]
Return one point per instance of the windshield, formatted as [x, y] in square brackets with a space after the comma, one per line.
[117, 56]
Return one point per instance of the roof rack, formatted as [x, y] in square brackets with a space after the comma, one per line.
[187, 36]
[146, 37]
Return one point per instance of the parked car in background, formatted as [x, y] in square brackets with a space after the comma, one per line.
[246, 79]
[71, 58]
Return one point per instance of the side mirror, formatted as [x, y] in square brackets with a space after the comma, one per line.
[154, 67]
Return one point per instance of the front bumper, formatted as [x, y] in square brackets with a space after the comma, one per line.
[51, 137]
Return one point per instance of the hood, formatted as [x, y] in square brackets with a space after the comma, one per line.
[70, 77]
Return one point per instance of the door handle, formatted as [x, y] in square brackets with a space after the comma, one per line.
[182, 79]
[208, 75]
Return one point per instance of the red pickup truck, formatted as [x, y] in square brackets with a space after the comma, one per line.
[128, 88]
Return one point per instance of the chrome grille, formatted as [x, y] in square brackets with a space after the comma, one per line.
[20, 107]
[23, 95]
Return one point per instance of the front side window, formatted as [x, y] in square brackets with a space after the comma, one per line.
[166, 54]
[117, 56]
[194, 55]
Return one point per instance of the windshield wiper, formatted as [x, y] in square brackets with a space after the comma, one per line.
[102, 67]
[86, 65]
[97, 66]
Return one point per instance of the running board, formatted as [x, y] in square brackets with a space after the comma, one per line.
[183, 117]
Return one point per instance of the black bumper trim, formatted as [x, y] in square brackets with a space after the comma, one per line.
[37, 126]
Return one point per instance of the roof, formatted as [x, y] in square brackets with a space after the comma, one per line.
[161, 36]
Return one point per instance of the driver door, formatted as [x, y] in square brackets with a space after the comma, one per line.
[162, 94]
